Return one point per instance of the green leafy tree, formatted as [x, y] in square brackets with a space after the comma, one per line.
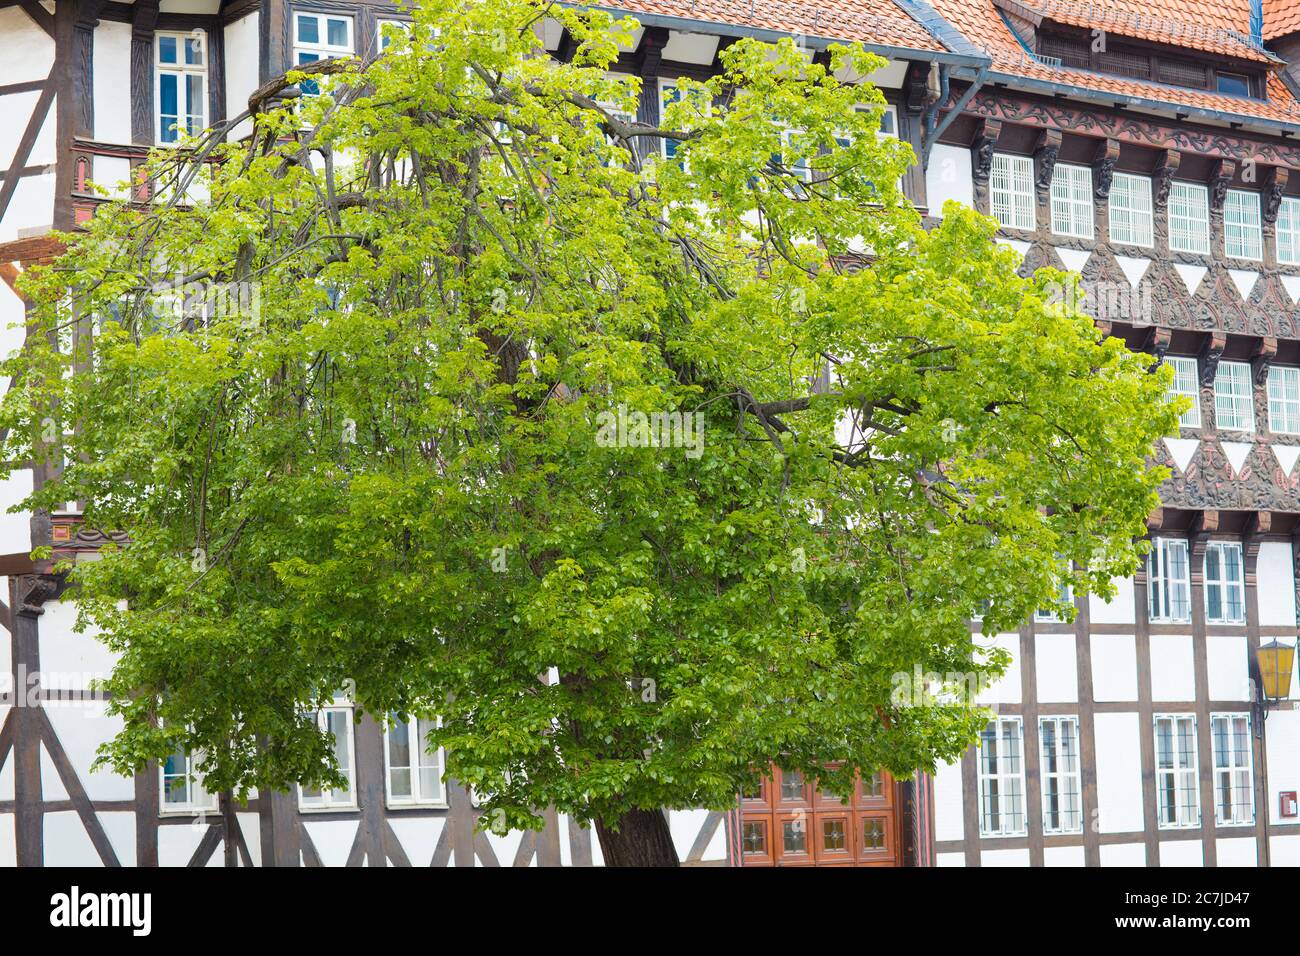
[507, 385]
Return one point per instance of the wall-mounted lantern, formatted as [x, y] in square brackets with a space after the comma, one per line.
[1276, 661]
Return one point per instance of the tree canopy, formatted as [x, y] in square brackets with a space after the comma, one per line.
[443, 448]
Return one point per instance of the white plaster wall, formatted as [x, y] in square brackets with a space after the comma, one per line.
[1118, 610]
[1228, 666]
[1006, 690]
[1119, 772]
[8, 846]
[241, 43]
[1181, 853]
[1005, 858]
[684, 825]
[66, 841]
[26, 50]
[32, 205]
[1173, 667]
[1282, 850]
[940, 859]
[418, 836]
[7, 769]
[1056, 669]
[15, 526]
[1237, 851]
[70, 660]
[1063, 856]
[1276, 585]
[177, 843]
[111, 82]
[1282, 748]
[112, 173]
[948, 822]
[333, 838]
[16, 107]
[1123, 854]
[82, 726]
[949, 177]
[1114, 667]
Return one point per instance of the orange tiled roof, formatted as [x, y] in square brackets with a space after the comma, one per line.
[1281, 17]
[1214, 26]
[983, 25]
[879, 22]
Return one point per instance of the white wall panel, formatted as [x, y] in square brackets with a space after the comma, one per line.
[418, 836]
[8, 846]
[950, 859]
[1056, 668]
[16, 107]
[1228, 666]
[242, 45]
[1282, 850]
[1118, 610]
[1276, 583]
[1181, 853]
[1063, 856]
[7, 768]
[1173, 667]
[1005, 690]
[1123, 854]
[112, 173]
[1114, 667]
[67, 843]
[177, 843]
[82, 726]
[26, 50]
[1005, 858]
[112, 82]
[1119, 773]
[32, 206]
[68, 658]
[1282, 743]
[948, 177]
[333, 838]
[1237, 851]
[250, 824]
[948, 820]
[15, 527]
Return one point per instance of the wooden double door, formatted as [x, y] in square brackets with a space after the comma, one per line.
[790, 822]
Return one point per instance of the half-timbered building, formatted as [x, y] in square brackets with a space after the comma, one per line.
[1147, 146]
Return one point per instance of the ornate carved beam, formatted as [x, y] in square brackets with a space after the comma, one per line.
[1045, 154]
[982, 146]
[1211, 353]
[1263, 358]
[1104, 166]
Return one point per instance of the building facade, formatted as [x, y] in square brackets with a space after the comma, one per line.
[1147, 147]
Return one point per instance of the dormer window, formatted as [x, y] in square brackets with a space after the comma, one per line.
[1233, 84]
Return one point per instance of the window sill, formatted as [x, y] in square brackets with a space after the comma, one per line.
[416, 805]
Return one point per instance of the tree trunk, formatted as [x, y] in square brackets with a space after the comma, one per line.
[642, 839]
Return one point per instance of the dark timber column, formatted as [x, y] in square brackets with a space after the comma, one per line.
[1209, 522]
[1146, 716]
[26, 595]
[1033, 763]
[1087, 734]
[144, 18]
[1260, 524]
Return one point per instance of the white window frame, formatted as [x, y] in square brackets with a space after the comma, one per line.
[194, 785]
[1012, 201]
[1072, 211]
[1131, 210]
[416, 742]
[182, 71]
[1243, 225]
[1065, 592]
[1228, 589]
[1186, 383]
[1288, 231]
[379, 31]
[321, 49]
[1241, 814]
[1284, 400]
[1169, 597]
[1061, 777]
[1187, 800]
[1189, 218]
[329, 799]
[1234, 397]
[1002, 779]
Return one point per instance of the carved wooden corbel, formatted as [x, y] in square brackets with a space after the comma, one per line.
[916, 84]
[144, 18]
[1155, 522]
[1262, 358]
[982, 147]
[1223, 171]
[1211, 353]
[1257, 526]
[1164, 176]
[33, 590]
[651, 51]
[1157, 342]
[1277, 181]
[1104, 164]
[1045, 154]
